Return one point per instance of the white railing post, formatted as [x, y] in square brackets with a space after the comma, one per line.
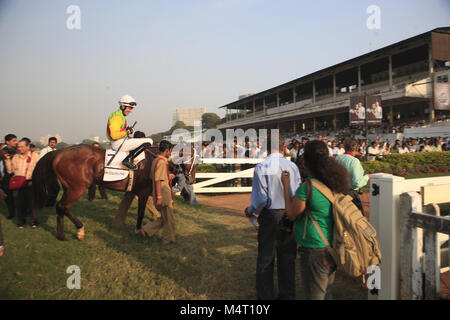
[384, 193]
[411, 248]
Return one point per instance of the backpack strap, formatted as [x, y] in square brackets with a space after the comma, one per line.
[309, 186]
[323, 189]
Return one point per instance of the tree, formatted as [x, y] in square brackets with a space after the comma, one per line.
[210, 120]
[157, 137]
[88, 141]
[62, 145]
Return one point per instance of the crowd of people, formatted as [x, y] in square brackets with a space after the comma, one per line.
[365, 150]
[372, 150]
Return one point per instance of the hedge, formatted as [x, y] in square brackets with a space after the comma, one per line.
[410, 163]
[206, 168]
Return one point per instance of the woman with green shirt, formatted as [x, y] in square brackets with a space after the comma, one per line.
[317, 265]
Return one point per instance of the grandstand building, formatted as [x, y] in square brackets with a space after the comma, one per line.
[403, 74]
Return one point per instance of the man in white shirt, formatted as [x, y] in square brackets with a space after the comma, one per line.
[52, 142]
[373, 152]
[341, 149]
[53, 190]
[334, 148]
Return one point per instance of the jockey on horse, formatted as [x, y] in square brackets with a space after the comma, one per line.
[117, 132]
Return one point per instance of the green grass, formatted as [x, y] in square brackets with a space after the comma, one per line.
[214, 257]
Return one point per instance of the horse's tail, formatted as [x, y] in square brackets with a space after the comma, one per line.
[44, 179]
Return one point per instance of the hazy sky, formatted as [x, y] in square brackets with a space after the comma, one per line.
[170, 53]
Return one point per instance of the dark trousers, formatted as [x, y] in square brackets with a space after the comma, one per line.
[1, 235]
[91, 192]
[268, 249]
[317, 272]
[25, 205]
[10, 199]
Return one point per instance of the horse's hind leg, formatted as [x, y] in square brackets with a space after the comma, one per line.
[63, 208]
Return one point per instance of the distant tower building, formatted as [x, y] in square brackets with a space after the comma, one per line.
[188, 115]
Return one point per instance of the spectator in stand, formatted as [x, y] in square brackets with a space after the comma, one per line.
[330, 151]
[10, 149]
[341, 149]
[23, 164]
[403, 148]
[334, 148]
[363, 150]
[386, 149]
[414, 147]
[426, 146]
[302, 147]
[435, 145]
[317, 267]
[294, 151]
[373, 152]
[396, 148]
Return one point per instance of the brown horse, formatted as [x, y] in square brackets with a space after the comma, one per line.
[77, 168]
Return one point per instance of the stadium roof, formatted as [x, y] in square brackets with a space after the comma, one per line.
[374, 54]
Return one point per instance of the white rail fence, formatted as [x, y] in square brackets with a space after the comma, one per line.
[207, 186]
[420, 252]
[385, 215]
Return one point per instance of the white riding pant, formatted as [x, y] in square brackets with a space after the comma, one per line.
[129, 144]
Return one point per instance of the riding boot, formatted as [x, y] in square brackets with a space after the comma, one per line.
[128, 161]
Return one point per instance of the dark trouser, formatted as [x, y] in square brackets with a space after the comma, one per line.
[10, 193]
[91, 192]
[25, 205]
[1, 235]
[268, 248]
[317, 272]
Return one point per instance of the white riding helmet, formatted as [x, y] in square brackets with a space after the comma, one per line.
[127, 101]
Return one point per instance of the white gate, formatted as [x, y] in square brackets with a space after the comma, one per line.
[385, 206]
[217, 177]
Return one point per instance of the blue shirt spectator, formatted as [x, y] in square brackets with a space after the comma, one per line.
[267, 189]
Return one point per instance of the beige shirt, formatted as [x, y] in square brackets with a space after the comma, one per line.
[160, 173]
[18, 164]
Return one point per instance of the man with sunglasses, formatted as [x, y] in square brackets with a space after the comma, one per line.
[117, 131]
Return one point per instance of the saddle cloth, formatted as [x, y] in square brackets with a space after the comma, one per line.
[116, 171]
